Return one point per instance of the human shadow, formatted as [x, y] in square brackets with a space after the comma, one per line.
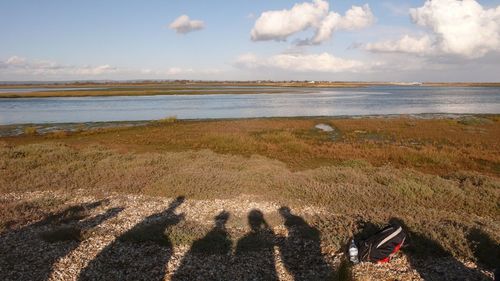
[301, 249]
[141, 253]
[254, 254]
[30, 252]
[209, 257]
[432, 261]
[485, 250]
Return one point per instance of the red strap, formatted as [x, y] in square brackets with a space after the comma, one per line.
[387, 259]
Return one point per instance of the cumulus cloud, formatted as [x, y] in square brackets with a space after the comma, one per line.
[355, 18]
[316, 15]
[15, 60]
[455, 27]
[323, 62]
[184, 24]
[22, 66]
[461, 27]
[422, 45]
[278, 25]
[179, 72]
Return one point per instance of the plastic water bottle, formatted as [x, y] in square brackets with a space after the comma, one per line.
[353, 252]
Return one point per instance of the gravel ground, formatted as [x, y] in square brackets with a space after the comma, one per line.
[122, 238]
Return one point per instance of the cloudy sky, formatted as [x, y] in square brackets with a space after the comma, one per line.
[438, 40]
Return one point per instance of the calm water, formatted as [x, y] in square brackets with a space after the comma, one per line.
[327, 102]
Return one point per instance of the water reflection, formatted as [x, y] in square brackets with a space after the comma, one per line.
[329, 102]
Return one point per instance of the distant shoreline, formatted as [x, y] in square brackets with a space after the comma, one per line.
[184, 83]
[197, 88]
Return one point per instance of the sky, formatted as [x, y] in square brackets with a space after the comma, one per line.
[438, 40]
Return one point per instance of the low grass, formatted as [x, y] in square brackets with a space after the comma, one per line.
[170, 119]
[174, 88]
[137, 92]
[59, 134]
[14, 213]
[437, 146]
[30, 130]
[198, 88]
[439, 208]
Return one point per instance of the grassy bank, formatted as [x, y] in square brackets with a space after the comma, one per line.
[262, 83]
[441, 177]
[138, 92]
[197, 88]
[436, 146]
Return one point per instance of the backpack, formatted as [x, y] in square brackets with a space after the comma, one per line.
[383, 245]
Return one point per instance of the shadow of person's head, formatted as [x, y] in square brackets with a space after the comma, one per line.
[366, 229]
[176, 202]
[221, 219]
[285, 212]
[73, 213]
[256, 220]
[418, 244]
[485, 250]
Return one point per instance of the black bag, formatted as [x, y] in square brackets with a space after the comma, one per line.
[381, 246]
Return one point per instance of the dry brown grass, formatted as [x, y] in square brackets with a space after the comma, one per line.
[170, 119]
[441, 209]
[432, 146]
[199, 87]
[30, 130]
[129, 92]
[59, 134]
[14, 213]
[187, 83]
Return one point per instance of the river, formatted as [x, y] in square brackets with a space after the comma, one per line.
[312, 102]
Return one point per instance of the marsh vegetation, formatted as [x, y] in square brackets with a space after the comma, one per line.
[438, 176]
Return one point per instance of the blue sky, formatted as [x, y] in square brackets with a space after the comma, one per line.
[69, 39]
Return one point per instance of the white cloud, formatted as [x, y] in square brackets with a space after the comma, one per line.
[279, 25]
[96, 70]
[184, 24]
[180, 72]
[407, 44]
[22, 66]
[15, 60]
[19, 68]
[355, 18]
[463, 28]
[323, 62]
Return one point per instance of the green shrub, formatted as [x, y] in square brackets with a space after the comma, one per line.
[31, 130]
[170, 119]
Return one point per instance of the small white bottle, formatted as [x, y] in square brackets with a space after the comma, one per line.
[353, 252]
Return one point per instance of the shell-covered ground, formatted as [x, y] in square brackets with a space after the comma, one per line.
[127, 237]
